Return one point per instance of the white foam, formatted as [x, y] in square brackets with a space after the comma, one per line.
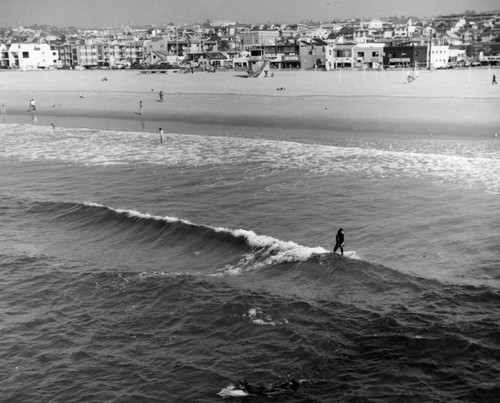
[269, 250]
[257, 317]
[466, 164]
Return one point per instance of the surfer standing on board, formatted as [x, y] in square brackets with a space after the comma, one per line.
[339, 241]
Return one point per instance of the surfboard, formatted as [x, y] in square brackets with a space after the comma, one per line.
[350, 253]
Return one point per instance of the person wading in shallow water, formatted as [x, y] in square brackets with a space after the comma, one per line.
[339, 241]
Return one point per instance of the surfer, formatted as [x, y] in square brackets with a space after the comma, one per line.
[339, 241]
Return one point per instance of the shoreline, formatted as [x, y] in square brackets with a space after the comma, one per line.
[441, 103]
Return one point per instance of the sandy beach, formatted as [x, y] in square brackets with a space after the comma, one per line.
[443, 102]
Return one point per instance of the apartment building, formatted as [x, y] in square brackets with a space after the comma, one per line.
[4, 56]
[439, 56]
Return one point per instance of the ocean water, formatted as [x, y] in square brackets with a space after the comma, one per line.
[133, 271]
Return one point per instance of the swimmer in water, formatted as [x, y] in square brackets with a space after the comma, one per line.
[269, 390]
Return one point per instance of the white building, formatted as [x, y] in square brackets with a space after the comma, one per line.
[339, 56]
[32, 56]
[439, 56]
[375, 24]
[457, 54]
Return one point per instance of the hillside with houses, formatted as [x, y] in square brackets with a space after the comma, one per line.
[449, 41]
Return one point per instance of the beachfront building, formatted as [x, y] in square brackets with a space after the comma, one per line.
[4, 56]
[368, 55]
[32, 56]
[439, 56]
[68, 55]
[240, 60]
[313, 54]
[287, 54]
[457, 55]
[339, 55]
[89, 54]
[406, 55]
[96, 53]
[283, 54]
[487, 53]
[173, 51]
[123, 54]
[216, 60]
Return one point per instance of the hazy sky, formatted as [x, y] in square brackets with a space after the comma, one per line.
[103, 13]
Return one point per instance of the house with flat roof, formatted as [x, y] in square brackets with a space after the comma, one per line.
[32, 56]
[439, 56]
[406, 55]
[368, 55]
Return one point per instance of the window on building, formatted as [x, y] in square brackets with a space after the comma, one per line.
[375, 54]
[361, 54]
[26, 55]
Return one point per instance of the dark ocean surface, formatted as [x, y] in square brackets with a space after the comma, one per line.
[133, 271]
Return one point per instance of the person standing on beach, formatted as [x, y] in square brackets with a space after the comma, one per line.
[339, 241]
[3, 110]
[32, 105]
[141, 108]
[161, 96]
[494, 81]
[161, 135]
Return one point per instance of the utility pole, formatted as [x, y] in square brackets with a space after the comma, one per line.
[429, 59]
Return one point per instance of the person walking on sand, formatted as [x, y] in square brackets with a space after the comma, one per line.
[494, 81]
[141, 108]
[339, 241]
[161, 135]
[32, 105]
[161, 96]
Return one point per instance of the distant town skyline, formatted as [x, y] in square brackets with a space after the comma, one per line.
[102, 13]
